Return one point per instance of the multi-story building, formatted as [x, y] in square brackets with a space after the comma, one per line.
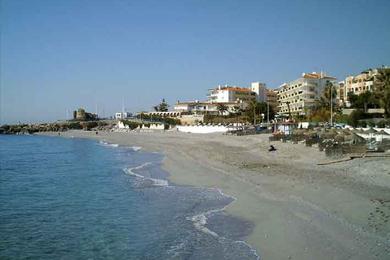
[260, 90]
[300, 95]
[226, 94]
[272, 99]
[232, 97]
[340, 89]
[210, 108]
[361, 83]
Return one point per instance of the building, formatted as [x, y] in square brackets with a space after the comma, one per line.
[82, 115]
[228, 94]
[164, 113]
[122, 115]
[361, 83]
[300, 95]
[208, 108]
[340, 90]
[260, 90]
[272, 99]
[264, 94]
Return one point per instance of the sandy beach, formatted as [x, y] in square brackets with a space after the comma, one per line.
[300, 210]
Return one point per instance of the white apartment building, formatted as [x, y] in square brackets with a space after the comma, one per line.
[300, 95]
[260, 90]
[225, 94]
[210, 108]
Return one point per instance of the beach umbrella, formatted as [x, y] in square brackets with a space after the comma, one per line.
[346, 131]
[383, 133]
[339, 138]
[370, 131]
[357, 138]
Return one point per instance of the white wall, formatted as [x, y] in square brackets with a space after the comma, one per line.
[202, 129]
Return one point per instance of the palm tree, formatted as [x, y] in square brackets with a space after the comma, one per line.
[222, 108]
[237, 110]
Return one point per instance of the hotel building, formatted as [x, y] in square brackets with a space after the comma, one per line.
[300, 95]
[209, 108]
[226, 94]
[232, 97]
[361, 83]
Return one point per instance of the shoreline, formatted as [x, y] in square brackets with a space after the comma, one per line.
[300, 210]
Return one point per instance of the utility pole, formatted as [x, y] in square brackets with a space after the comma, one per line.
[331, 105]
[267, 111]
[254, 113]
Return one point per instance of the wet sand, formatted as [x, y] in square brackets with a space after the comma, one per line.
[300, 210]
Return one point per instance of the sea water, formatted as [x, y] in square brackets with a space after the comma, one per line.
[81, 199]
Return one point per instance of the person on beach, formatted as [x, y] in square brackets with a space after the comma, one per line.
[271, 148]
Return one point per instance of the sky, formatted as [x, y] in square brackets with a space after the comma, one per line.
[57, 56]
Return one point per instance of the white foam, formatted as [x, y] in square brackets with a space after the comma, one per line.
[136, 148]
[105, 143]
[200, 221]
[156, 182]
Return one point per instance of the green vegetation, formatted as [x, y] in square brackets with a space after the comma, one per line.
[320, 112]
[379, 97]
[382, 90]
[364, 101]
[222, 108]
[162, 107]
[255, 109]
[131, 124]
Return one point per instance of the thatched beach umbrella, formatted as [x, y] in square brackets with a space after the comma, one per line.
[346, 131]
[382, 133]
[357, 139]
[370, 132]
[357, 131]
[339, 138]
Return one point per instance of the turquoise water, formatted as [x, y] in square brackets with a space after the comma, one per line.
[80, 199]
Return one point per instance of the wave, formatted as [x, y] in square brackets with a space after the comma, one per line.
[105, 143]
[136, 148]
[155, 182]
[200, 222]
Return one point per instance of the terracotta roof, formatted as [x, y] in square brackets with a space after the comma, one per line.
[316, 76]
[239, 89]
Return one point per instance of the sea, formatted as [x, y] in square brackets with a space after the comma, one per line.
[71, 198]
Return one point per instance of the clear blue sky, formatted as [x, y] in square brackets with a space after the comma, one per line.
[58, 55]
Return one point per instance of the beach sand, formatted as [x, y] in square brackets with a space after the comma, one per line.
[300, 210]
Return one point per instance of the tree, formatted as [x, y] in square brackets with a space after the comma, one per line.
[352, 98]
[363, 101]
[256, 108]
[325, 105]
[222, 108]
[355, 117]
[162, 107]
[382, 89]
[328, 96]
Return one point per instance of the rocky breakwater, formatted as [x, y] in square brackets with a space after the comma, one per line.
[54, 127]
